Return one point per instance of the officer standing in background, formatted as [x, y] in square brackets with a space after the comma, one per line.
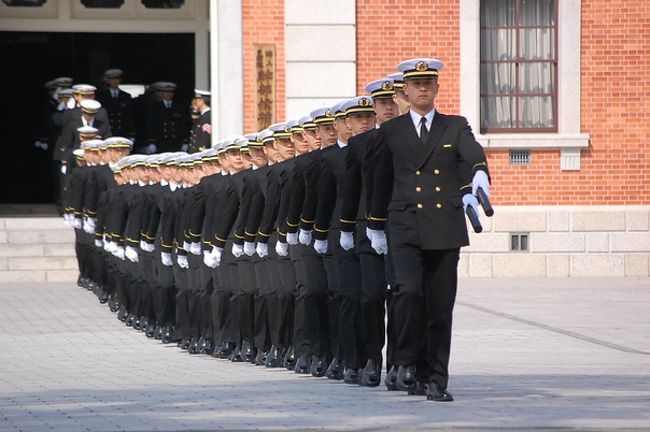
[417, 197]
[118, 104]
[168, 124]
[201, 137]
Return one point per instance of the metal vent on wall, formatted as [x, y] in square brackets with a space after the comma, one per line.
[519, 157]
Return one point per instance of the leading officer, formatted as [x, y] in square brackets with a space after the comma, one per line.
[417, 198]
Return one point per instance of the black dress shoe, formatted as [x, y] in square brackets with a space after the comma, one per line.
[235, 356]
[318, 366]
[206, 346]
[136, 323]
[158, 332]
[226, 348]
[420, 389]
[406, 378]
[150, 330]
[273, 358]
[123, 314]
[371, 376]
[193, 347]
[303, 364]
[114, 305]
[144, 322]
[335, 370]
[351, 376]
[391, 379]
[199, 345]
[247, 351]
[260, 358]
[130, 319]
[168, 334]
[81, 282]
[437, 394]
[185, 343]
[103, 296]
[289, 359]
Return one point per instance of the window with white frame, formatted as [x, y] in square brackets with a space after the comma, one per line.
[518, 66]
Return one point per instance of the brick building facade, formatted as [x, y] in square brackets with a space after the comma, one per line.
[583, 198]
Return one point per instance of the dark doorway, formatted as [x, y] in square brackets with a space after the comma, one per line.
[30, 59]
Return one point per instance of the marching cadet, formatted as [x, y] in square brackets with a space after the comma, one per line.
[359, 117]
[279, 266]
[168, 122]
[417, 182]
[401, 99]
[314, 313]
[353, 227]
[118, 104]
[201, 136]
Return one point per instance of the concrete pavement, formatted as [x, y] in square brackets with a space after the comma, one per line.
[526, 353]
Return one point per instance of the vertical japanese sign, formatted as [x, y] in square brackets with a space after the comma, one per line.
[265, 85]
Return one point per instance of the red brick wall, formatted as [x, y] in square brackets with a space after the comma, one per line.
[386, 30]
[615, 105]
[263, 23]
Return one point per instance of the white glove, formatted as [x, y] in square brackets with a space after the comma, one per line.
[195, 248]
[304, 237]
[480, 180]
[67, 220]
[92, 222]
[64, 169]
[77, 223]
[143, 245]
[60, 106]
[347, 240]
[99, 243]
[186, 246]
[112, 247]
[150, 247]
[87, 228]
[369, 233]
[292, 238]
[182, 262]
[237, 250]
[131, 254]
[150, 149]
[72, 103]
[249, 248]
[282, 249]
[119, 252]
[320, 246]
[209, 260]
[166, 259]
[470, 200]
[107, 246]
[262, 250]
[378, 242]
[185, 147]
[216, 254]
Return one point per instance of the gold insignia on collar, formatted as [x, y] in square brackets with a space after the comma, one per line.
[421, 66]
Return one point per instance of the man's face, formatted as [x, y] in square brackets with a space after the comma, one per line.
[103, 156]
[421, 93]
[285, 148]
[225, 164]
[176, 174]
[313, 139]
[271, 153]
[247, 159]
[258, 156]
[88, 117]
[343, 131]
[91, 156]
[327, 134]
[234, 160]
[167, 95]
[114, 82]
[154, 174]
[385, 109]
[300, 142]
[360, 122]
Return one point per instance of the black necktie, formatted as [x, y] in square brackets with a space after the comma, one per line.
[424, 132]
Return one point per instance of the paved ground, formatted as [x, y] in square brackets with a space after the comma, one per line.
[539, 354]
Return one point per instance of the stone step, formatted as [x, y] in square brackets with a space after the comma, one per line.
[36, 249]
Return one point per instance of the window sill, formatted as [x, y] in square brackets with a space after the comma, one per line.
[533, 141]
